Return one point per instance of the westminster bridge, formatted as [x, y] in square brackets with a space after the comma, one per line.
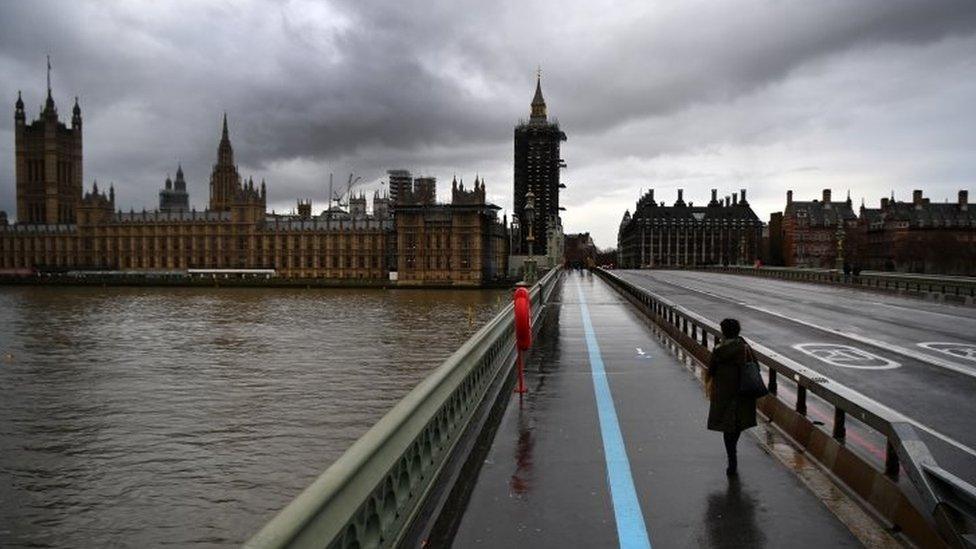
[866, 437]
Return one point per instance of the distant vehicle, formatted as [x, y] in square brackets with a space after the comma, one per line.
[233, 273]
[19, 272]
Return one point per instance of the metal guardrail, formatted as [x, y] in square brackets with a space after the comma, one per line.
[950, 502]
[370, 496]
[956, 288]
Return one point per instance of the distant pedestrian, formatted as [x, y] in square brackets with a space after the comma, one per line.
[847, 272]
[729, 411]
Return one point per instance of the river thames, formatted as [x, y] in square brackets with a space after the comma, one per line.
[146, 416]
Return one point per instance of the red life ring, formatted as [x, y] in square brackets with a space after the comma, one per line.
[523, 319]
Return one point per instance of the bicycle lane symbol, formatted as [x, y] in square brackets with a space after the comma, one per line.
[965, 351]
[845, 356]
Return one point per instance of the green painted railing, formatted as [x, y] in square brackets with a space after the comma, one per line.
[371, 495]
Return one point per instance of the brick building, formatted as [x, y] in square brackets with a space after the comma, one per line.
[920, 236]
[811, 231]
[580, 251]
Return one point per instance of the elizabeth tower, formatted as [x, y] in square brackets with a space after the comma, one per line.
[537, 165]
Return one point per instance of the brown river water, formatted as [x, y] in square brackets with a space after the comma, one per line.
[140, 417]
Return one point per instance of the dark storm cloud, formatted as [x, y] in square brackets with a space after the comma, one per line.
[314, 87]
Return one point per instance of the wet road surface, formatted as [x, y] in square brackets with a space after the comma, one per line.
[914, 356]
[561, 473]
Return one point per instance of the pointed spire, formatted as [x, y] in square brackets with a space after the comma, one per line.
[225, 153]
[77, 110]
[538, 102]
[20, 102]
[95, 187]
[179, 170]
[49, 105]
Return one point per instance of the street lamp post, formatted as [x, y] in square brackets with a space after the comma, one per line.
[839, 262]
[530, 238]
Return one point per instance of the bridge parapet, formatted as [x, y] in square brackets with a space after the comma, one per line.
[944, 511]
[958, 289]
[373, 495]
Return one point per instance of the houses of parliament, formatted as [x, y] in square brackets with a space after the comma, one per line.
[61, 226]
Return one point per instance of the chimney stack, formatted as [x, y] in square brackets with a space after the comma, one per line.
[726, 201]
[714, 196]
[650, 194]
[826, 196]
[917, 197]
[681, 193]
[742, 192]
[789, 197]
[964, 200]
[735, 198]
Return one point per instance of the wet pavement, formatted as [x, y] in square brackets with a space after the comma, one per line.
[609, 448]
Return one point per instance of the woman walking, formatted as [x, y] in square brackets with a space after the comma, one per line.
[730, 411]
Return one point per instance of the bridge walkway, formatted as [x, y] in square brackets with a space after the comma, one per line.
[622, 458]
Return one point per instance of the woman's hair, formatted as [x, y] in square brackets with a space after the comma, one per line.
[730, 328]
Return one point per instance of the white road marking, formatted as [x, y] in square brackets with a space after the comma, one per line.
[894, 413]
[884, 345]
[845, 356]
[811, 373]
[966, 351]
[916, 309]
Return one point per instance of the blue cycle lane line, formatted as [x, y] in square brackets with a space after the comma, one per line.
[609, 449]
[631, 530]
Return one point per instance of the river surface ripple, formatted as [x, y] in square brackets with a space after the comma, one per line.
[142, 417]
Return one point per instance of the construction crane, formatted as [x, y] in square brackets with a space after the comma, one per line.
[342, 201]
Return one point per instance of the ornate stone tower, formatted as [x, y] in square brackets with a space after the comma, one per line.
[224, 181]
[48, 163]
[173, 197]
[537, 166]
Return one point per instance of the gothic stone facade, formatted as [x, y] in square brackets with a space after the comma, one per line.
[60, 229]
[460, 243]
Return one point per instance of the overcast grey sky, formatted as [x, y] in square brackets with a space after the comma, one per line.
[866, 96]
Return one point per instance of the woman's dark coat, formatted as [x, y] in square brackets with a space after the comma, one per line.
[728, 411]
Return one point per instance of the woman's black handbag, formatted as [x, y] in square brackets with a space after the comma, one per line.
[751, 383]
